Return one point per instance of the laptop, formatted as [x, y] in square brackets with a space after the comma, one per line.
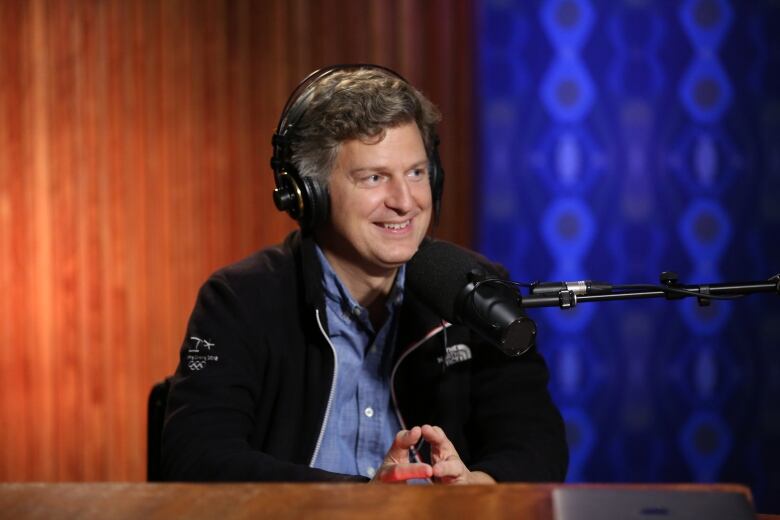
[576, 503]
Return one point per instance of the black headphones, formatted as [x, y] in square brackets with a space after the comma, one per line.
[304, 198]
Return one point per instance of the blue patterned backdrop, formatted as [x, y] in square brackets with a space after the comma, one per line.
[618, 140]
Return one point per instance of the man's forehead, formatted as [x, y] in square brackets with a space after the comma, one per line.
[401, 146]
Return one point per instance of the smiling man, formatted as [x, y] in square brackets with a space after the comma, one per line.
[380, 210]
[322, 366]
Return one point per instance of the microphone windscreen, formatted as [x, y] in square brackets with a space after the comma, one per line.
[437, 274]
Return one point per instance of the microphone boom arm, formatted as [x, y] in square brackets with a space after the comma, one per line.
[670, 289]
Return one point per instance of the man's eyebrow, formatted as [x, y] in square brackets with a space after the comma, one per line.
[381, 168]
[367, 169]
[421, 162]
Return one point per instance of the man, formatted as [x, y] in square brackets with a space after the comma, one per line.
[310, 362]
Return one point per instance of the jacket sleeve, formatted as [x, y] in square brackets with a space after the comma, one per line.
[211, 406]
[516, 432]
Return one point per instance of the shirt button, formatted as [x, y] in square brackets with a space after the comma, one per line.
[370, 472]
[356, 312]
[369, 412]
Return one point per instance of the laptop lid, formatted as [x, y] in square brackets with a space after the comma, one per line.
[574, 503]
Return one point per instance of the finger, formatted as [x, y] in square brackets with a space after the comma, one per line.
[450, 469]
[441, 447]
[403, 472]
[434, 435]
[404, 439]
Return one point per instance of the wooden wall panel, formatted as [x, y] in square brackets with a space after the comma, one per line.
[134, 147]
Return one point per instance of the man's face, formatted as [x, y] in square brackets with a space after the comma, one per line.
[380, 201]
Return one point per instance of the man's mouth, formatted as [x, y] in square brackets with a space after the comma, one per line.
[396, 226]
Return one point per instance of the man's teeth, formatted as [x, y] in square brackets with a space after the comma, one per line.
[400, 225]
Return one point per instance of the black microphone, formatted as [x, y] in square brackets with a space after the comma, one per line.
[463, 290]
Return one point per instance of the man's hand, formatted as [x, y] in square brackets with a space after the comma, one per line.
[447, 466]
[396, 467]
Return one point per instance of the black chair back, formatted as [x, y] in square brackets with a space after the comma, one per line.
[158, 397]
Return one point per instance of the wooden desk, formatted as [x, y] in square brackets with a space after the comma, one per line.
[326, 501]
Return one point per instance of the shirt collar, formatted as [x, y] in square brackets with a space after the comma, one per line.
[336, 293]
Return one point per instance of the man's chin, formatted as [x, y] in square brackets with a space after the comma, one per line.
[395, 261]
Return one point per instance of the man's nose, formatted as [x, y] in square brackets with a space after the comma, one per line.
[399, 195]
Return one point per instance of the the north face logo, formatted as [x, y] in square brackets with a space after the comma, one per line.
[456, 354]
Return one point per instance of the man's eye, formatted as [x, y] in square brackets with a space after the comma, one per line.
[418, 173]
[370, 180]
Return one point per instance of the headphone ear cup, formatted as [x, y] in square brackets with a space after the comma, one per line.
[316, 203]
[287, 195]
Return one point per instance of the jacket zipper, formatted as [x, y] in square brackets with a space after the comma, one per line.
[330, 394]
[392, 382]
[398, 363]
[415, 449]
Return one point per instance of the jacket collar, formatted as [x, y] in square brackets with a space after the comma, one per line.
[417, 319]
[309, 267]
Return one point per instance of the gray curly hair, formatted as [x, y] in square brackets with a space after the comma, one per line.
[359, 103]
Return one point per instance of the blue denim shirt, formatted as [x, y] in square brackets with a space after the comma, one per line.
[362, 423]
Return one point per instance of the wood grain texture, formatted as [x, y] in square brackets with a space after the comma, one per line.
[311, 501]
[134, 147]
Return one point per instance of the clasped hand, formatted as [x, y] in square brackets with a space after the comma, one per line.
[445, 467]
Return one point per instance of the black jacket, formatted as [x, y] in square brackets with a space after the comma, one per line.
[249, 398]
